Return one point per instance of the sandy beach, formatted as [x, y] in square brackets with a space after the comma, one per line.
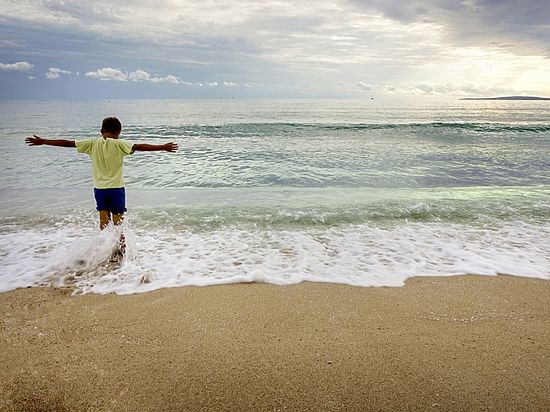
[458, 343]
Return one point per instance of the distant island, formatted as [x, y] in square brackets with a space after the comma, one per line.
[507, 98]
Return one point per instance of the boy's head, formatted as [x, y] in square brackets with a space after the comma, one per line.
[111, 127]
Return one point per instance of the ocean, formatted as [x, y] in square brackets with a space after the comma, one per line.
[364, 193]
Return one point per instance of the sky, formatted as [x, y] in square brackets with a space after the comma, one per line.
[73, 49]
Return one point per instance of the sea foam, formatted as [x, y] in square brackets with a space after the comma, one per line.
[356, 254]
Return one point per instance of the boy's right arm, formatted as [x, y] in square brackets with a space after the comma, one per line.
[38, 141]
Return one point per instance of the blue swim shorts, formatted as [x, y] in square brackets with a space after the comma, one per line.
[111, 200]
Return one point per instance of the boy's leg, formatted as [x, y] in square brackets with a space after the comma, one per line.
[117, 220]
[102, 206]
[104, 219]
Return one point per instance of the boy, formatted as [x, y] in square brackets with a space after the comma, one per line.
[107, 154]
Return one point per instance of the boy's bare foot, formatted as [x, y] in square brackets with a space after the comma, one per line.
[117, 256]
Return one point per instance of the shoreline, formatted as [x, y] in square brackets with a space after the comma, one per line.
[438, 343]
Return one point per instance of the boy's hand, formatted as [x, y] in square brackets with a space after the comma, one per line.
[34, 141]
[171, 147]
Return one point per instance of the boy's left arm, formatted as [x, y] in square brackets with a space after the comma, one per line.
[144, 147]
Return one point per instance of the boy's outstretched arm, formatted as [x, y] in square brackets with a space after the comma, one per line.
[144, 147]
[38, 141]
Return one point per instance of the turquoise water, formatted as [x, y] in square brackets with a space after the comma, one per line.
[277, 191]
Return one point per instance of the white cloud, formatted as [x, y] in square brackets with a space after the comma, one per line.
[139, 75]
[428, 88]
[107, 73]
[379, 88]
[55, 72]
[447, 89]
[364, 86]
[18, 66]
[168, 79]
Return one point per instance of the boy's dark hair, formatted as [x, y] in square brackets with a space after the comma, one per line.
[111, 125]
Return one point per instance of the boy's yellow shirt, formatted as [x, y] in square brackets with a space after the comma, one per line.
[107, 159]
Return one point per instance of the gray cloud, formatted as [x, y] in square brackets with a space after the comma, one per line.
[280, 48]
[520, 26]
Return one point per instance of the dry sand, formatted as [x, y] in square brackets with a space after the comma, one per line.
[461, 343]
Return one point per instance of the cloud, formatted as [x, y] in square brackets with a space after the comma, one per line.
[108, 73]
[425, 88]
[289, 49]
[364, 86]
[450, 89]
[168, 79]
[379, 88]
[431, 89]
[521, 26]
[55, 72]
[139, 75]
[19, 66]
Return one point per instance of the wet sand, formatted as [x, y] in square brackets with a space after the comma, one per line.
[459, 343]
